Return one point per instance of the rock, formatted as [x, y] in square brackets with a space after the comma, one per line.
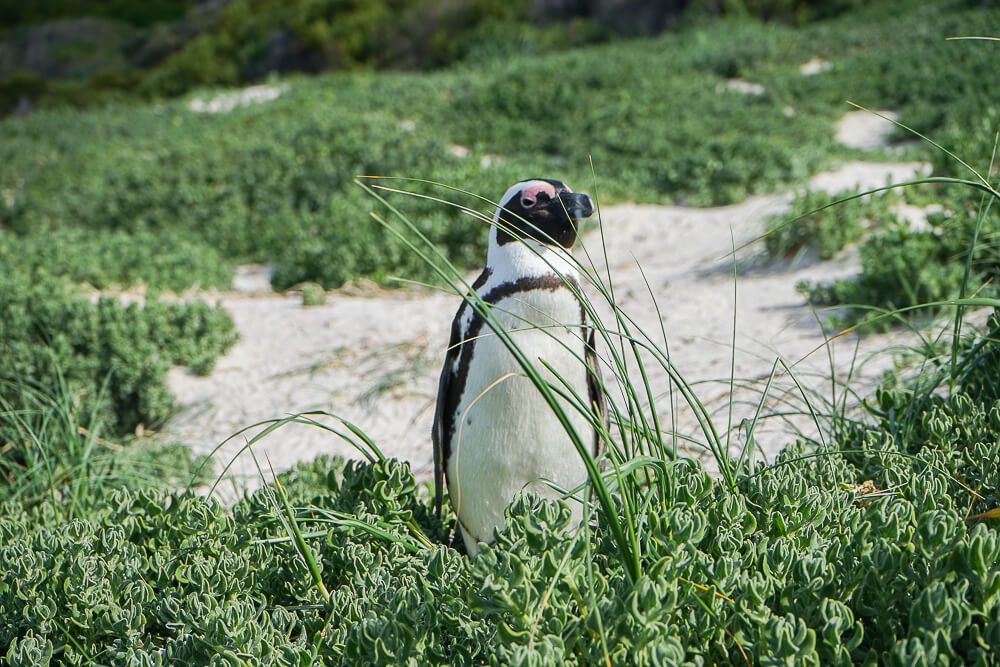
[625, 17]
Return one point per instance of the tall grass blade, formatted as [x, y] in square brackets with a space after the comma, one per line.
[290, 521]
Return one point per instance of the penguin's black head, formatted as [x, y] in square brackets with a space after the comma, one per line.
[542, 210]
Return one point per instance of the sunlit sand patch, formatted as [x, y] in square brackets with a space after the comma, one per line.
[225, 102]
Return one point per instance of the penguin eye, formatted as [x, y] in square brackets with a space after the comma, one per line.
[530, 200]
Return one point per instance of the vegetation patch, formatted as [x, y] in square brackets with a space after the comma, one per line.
[112, 357]
[168, 260]
[903, 268]
[86, 54]
[817, 222]
[274, 182]
[876, 545]
[879, 549]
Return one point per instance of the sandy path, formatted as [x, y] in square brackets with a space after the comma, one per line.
[374, 359]
[685, 256]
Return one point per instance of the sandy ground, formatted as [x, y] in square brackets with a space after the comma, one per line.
[372, 356]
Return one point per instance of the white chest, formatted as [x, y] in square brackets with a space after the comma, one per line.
[507, 437]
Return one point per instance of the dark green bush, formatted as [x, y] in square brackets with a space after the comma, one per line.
[256, 37]
[13, 13]
[19, 85]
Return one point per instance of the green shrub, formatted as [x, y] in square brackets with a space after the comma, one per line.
[828, 230]
[313, 294]
[790, 566]
[168, 260]
[899, 268]
[202, 62]
[48, 332]
[166, 552]
[797, 562]
[274, 182]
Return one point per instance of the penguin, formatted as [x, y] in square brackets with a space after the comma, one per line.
[494, 434]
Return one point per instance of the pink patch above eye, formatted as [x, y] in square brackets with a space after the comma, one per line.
[529, 195]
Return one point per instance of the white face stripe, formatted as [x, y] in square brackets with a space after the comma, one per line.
[528, 258]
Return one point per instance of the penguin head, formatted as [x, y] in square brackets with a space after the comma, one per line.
[542, 210]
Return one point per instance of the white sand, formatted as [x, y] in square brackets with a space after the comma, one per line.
[861, 129]
[226, 102]
[373, 358]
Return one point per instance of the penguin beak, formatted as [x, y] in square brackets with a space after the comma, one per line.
[577, 204]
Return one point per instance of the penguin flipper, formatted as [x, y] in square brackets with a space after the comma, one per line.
[595, 390]
[443, 412]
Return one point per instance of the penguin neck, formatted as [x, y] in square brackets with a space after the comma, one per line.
[515, 260]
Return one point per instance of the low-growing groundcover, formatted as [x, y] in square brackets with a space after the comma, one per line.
[880, 548]
[905, 265]
[902, 265]
[114, 357]
[274, 182]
